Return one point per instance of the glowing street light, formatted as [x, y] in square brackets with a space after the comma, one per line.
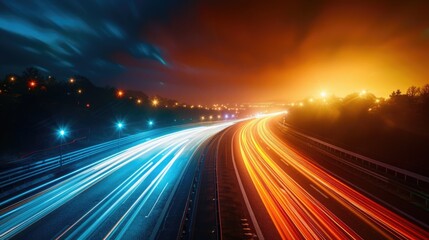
[119, 125]
[62, 133]
[120, 93]
[203, 118]
[71, 80]
[12, 78]
[155, 102]
[32, 84]
[150, 123]
[139, 101]
[323, 94]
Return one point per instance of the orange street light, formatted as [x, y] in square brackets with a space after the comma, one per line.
[32, 84]
[120, 93]
[155, 102]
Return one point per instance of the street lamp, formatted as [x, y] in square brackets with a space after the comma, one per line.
[119, 126]
[62, 134]
[155, 102]
[120, 93]
[150, 123]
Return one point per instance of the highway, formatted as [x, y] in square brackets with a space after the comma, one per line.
[269, 189]
[125, 195]
[230, 180]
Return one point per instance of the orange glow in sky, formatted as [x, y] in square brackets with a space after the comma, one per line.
[283, 51]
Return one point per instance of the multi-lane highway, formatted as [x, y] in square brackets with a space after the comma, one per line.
[268, 189]
[125, 195]
[221, 181]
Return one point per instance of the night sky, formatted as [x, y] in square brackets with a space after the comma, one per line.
[223, 51]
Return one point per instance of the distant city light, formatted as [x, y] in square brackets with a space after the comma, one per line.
[202, 118]
[323, 94]
[71, 80]
[362, 93]
[218, 116]
[155, 102]
[226, 116]
[32, 83]
[210, 117]
[12, 78]
[120, 93]
[311, 100]
[139, 101]
[79, 91]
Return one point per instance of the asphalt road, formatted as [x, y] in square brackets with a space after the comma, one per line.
[252, 182]
[126, 195]
[284, 192]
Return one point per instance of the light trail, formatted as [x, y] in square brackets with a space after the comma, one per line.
[148, 168]
[294, 211]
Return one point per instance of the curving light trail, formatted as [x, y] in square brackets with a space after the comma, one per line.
[294, 211]
[124, 190]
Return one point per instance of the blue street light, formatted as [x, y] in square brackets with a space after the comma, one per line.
[61, 133]
[119, 126]
[150, 123]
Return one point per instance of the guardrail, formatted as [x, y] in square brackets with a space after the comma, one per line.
[401, 174]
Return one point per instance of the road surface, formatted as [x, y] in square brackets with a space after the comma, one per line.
[126, 195]
[270, 190]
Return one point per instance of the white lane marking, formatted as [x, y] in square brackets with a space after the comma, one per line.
[243, 192]
[125, 182]
[156, 201]
[321, 193]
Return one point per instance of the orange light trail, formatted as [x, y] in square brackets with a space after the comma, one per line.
[294, 211]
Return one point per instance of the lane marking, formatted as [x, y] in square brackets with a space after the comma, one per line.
[156, 201]
[243, 192]
[321, 193]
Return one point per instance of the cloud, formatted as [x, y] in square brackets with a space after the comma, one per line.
[67, 37]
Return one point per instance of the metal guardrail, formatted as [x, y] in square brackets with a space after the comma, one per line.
[401, 174]
[408, 175]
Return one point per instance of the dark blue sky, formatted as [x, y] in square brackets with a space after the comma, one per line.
[79, 37]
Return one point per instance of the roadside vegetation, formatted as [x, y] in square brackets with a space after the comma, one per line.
[394, 130]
